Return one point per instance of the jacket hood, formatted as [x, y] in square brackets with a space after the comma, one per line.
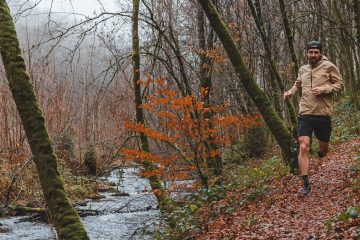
[324, 58]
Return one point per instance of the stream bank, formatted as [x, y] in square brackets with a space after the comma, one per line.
[131, 215]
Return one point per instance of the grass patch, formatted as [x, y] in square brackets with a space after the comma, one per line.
[254, 180]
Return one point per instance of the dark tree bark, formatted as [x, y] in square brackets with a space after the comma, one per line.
[214, 163]
[164, 200]
[90, 161]
[346, 56]
[290, 42]
[275, 79]
[289, 37]
[275, 75]
[180, 67]
[65, 219]
[183, 82]
[277, 127]
[356, 7]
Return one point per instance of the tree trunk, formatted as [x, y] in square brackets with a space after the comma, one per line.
[289, 37]
[356, 7]
[346, 56]
[275, 79]
[290, 42]
[164, 200]
[277, 127]
[65, 218]
[256, 13]
[214, 163]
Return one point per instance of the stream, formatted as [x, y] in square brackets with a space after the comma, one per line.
[132, 216]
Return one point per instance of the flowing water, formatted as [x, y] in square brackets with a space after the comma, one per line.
[120, 217]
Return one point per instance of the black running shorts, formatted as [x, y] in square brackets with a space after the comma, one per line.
[320, 125]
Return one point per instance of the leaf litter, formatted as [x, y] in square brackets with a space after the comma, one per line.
[282, 213]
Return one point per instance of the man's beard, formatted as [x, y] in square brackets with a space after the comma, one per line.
[314, 60]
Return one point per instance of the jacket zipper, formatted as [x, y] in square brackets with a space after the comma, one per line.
[311, 79]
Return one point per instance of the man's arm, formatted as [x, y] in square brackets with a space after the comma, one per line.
[337, 83]
[295, 88]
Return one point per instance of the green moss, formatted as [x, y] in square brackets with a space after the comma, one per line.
[65, 218]
[90, 160]
[272, 119]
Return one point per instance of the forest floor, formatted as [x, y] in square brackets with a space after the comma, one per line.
[282, 213]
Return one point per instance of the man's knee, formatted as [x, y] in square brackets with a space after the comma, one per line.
[323, 149]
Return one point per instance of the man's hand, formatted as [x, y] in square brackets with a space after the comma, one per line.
[316, 91]
[287, 95]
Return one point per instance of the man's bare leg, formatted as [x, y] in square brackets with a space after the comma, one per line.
[303, 159]
[304, 148]
[323, 149]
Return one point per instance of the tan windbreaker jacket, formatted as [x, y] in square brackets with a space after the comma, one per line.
[325, 75]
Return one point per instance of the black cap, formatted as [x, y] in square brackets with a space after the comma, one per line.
[313, 44]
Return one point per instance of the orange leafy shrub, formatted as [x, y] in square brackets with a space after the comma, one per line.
[188, 128]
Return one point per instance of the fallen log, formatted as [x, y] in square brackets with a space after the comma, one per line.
[21, 210]
[40, 214]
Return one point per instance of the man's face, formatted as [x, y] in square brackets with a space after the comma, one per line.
[313, 55]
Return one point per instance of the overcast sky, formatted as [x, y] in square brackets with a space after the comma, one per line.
[84, 7]
[65, 13]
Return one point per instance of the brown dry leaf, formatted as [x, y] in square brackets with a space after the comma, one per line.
[283, 214]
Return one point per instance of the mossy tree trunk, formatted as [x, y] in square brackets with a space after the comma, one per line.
[65, 219]
[163, 198]
[273, 121]
[90, 161]
[214, 163]
[275, 75]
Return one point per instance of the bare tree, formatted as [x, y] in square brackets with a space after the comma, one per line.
[164, 200]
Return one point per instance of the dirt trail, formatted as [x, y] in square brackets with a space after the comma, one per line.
[284, 214]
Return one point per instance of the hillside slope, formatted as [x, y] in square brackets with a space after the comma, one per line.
[282, 213]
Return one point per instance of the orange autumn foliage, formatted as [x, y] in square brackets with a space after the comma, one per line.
[183, 123]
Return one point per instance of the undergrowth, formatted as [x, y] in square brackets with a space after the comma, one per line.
[345, 122]
[346, 126]
[350, 218]
[247, 180]
[242, 184]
